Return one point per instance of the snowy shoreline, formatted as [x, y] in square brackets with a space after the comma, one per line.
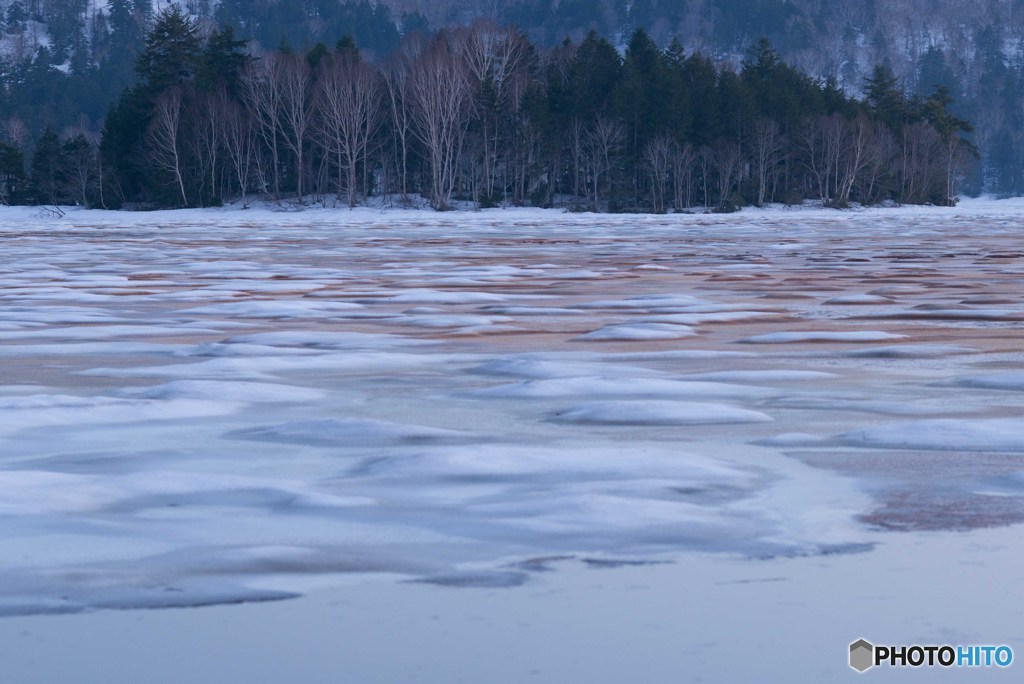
[985, 204]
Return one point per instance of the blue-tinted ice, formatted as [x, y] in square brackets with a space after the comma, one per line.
[212, 407]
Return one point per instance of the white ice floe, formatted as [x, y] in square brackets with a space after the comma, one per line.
[639, 412]
[623, 386]
[101, 348]
[223, 405]
[216, 390]
[761, 376]
[949, 434]
[809, 401]
[30, 492]
[266, 286]
[533, 311]
[623, 332]
[793, 439]
[908, 351]
[1010, 380]
[351, 432]
[324, 339]
[431, 296]
[221, 349]
[274, 309]
[822, 336]
[965, 313]
[451, 321]
[711, 317]
[262, 367]
[644, 303]
[569, 462]
[557, 367]
[103, 332]
[59, 315]
[57, 410]
[859, 299]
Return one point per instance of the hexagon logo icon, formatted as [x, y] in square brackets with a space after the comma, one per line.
[862, 655]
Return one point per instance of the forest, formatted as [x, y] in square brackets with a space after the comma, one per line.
[480, 115]
[63, 63]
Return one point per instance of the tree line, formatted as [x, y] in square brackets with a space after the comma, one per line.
[479, 115]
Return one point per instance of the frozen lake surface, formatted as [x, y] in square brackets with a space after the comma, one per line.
[202, 408]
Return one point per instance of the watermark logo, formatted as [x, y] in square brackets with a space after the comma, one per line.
[864, 655]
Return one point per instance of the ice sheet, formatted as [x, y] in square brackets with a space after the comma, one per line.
[658, 413]
[203, 407]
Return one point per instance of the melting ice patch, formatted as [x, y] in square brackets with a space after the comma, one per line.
[712, 317]
[52, 410]
[658, 413]
[28, 492]
[101, 332]
[859, 300]
[246, 367]
[909, 351]
[625, 332]
[822, 336]
[432, 296]
[215, 390]
[761, 376]
[533, 311]
[950, 434]
[332, 432]
[1013, 380]
[324, 339]
[274, 309]
[262, 409]
[623, 386]
[565, 462]
[560, 367]
[451, 321]
[645, 302]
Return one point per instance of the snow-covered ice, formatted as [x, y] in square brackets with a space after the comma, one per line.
[222, 406]
[639, 331]
[821, 336]
[992, 434]
[659, 413]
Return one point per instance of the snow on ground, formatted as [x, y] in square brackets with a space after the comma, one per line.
[214, 406]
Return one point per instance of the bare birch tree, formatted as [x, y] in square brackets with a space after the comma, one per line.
[241, 146]
[296, 111]
[725, 159]
[80, 168]
[496, 58]
[397, 77]
[684, 158]
[875, 180]
[853, 159]
[17, 131]
[705, 162]
[604, 142]
[823, 139]
[442, 110]
[349, 109]
[262, 93]
[577, 135]
[209, 114]
[922, 170]
[657, 155]
[164, 138]
[768, 151]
